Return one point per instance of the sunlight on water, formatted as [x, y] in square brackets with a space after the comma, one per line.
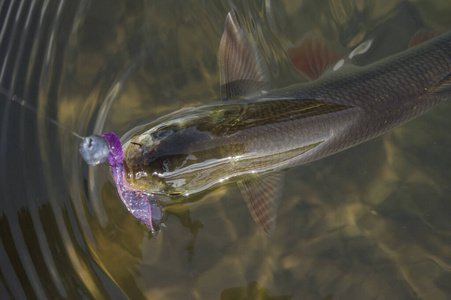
[371, 222]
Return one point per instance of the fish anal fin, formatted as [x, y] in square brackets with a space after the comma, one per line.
[243, 71]
[312, 56]
[262, 195]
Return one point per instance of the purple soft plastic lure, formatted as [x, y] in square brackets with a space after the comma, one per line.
[96, 149]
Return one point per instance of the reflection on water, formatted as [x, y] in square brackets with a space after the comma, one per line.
[369, 222]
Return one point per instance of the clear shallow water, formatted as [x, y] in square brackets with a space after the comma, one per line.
[370, 222]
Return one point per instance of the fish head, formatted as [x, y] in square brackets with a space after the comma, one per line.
[152, 157]
[143, 166]
[177, 156]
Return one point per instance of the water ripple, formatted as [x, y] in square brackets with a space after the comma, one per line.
[110, 65]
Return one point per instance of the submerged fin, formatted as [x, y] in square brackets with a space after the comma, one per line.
[420, 37]
[262, 195]
[243, 70]
[312, 56]
[443, 87]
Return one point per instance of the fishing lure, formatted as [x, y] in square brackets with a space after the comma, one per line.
[107, 147]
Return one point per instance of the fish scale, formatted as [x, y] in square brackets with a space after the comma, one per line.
[356, 104]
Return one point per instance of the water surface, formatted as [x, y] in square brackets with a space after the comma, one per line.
[371, 222]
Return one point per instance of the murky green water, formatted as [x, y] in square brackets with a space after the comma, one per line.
[371, 222]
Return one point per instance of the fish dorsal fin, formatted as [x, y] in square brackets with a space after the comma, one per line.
[243, 71]
[262, 195]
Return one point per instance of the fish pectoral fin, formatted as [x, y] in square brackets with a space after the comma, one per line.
[243, 71]
[262, 195]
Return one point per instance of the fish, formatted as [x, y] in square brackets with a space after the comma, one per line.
[253, 134]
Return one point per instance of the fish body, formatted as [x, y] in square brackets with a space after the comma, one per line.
[255, 134]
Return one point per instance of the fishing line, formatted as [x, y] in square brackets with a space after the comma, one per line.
[107, 148]
[94, 149]
[30, 107]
